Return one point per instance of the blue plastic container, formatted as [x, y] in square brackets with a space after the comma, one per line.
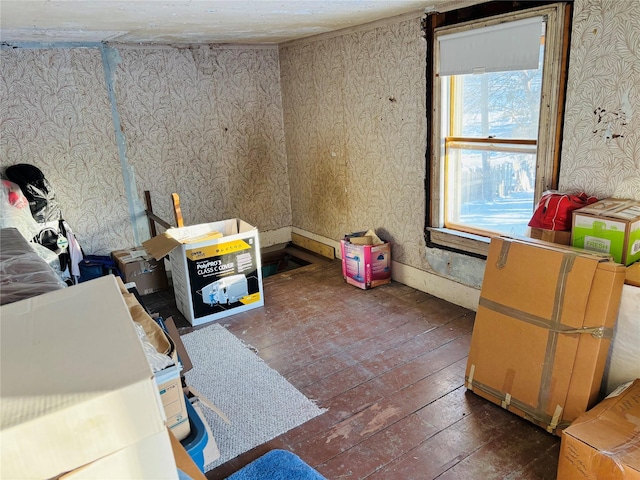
[197, 440]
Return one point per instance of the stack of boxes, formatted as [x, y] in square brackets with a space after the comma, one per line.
[138, 267]
[78, 396]
[562, 305]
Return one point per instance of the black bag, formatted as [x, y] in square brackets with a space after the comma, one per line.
[37, 190]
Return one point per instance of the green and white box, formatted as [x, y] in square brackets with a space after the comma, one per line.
[609, 226]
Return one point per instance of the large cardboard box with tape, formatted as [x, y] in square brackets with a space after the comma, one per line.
[543, 329]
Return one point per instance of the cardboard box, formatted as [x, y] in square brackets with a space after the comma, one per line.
[633, 275]
[151, 458]
[603, 443]
[609, 226]
[76, 385]
[543, 329]
[172, 397]
[139, 267]
[168, 379]
[216, 268]
[365, 266]
[184, 461]
[560, 237]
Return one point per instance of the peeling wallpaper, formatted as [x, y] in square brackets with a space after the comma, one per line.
[355, 131]
[327, 134]
[355, 124]
[55, 114]
[601, 148]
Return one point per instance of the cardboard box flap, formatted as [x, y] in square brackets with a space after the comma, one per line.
[612, 207]
[154, 332]
[182, 351]
[161, 245]
[130, 256]
[633, 274]
[30, 334]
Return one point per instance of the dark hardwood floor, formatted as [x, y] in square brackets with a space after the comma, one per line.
[388, 364]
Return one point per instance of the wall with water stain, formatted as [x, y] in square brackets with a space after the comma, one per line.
[355, 128]
[325, 134]
[356, 134]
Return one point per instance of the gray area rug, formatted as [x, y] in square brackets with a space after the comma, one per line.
[259, 402]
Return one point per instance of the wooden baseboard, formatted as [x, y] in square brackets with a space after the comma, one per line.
[313, 246]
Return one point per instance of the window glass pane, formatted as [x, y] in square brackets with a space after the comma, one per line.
[491, 190]
[501, 104]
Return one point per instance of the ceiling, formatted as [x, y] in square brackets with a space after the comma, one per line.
[195, 21]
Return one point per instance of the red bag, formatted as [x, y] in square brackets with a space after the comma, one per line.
[553, 211]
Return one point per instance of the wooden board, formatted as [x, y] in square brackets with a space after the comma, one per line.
[313, 246]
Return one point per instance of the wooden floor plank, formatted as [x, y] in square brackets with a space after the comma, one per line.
[388, 364]
[389, 444]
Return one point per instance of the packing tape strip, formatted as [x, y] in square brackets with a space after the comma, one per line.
[597, 332]
[472, 371]
[544, 394]
[530, 413]
[504, 253]
[555, 419]
[507, 401]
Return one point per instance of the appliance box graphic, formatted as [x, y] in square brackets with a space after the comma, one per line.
[226, 290]
[366, 266]
[223, 276]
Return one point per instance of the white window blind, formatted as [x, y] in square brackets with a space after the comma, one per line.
[497, 48]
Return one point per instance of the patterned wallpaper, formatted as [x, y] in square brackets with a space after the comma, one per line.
[601, 149]
[355, 129]
[356, 134]
[56, 115]
[203, 122]
[206, 122]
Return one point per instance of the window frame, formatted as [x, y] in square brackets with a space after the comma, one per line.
[551, 109]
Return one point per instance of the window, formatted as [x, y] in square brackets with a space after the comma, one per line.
[497, 93]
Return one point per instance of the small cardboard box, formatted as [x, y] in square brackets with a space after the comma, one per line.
[543, 329]
[172, 397]
[139, 267]
[216, 268]
[609, 226]
[365, 266]
[602, 444]
[168, 379]
[76, 385]
[560, 237]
